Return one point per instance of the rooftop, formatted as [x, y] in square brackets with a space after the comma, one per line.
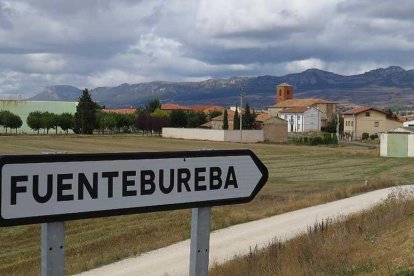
[301, 102]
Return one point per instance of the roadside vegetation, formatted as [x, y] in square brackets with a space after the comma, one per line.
[299, 176]
[375, 242]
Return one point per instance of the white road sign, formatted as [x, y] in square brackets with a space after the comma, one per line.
[45, 188]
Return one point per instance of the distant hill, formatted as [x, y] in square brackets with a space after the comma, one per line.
[389, 86]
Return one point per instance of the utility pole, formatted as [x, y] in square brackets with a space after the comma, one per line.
[242, 93]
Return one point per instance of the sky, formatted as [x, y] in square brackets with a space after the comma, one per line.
[92, 43]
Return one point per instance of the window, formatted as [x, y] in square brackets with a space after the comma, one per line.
[288, 92]
[285, 117]
[352, 123]
[299, 117]
[280, 92]
[367, 114]
[376, 124]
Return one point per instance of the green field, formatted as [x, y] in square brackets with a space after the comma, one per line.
[299, 176]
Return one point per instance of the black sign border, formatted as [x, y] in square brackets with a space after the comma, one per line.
[46, 158]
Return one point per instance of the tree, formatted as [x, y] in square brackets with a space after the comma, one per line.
[66, 122]
[178, 118]
[48, 120]
[10, 120]
[213, 114]
[236, 120]
[153, 105]
[15, 122]
[195, 119]
[225, 120]
[249, 118]
[34, 120]
[85, 116]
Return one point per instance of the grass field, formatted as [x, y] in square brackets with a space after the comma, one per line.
[376, 242]
[299, 176]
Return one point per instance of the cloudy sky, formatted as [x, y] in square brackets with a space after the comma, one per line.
[90, 43]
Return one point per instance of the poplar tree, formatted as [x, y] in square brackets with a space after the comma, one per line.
[236, 120]
[225, 120]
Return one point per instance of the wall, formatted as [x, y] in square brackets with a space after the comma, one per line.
[249, 136]
[275, 133]
[312, 120]
[367, 124]
[23, 108]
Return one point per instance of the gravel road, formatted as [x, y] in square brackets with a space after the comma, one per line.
[238, 239]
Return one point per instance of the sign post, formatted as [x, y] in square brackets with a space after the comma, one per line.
[53, 188]
[52, 248]
[200, 241]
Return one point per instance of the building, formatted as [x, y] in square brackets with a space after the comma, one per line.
[275, 130]
[24, 107]
[171, 106]
[284, 92]
[285, 100]
[398, 142]
[302, 119]
[367, 120]
[217, 122]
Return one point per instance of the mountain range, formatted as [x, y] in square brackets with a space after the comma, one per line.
[380, 87]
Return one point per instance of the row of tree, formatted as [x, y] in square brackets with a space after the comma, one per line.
[38, 120]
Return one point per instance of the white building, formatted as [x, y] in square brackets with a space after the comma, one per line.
[302, 118]
[408, 123]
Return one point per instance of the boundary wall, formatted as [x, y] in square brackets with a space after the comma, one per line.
[249, 136]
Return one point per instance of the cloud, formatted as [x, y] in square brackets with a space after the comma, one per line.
[109, 42]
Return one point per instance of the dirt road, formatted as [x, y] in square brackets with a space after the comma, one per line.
[238, 239]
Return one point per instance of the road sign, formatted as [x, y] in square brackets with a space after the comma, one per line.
[59, 187]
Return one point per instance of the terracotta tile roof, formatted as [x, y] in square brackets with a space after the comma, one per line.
[301, 102]
[262, 116]
[298, 109]
[207, 108]
[170, 106]
[120, 110]
[362, 109]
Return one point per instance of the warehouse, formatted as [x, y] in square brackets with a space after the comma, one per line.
[24, 107]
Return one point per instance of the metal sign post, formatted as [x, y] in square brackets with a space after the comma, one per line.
[200, 241]
[52, 247]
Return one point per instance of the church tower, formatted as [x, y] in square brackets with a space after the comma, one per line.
[284, 92]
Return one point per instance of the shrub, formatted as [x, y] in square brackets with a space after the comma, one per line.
[365, 136]
[373, 136]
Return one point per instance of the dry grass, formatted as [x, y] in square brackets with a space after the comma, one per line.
[299, 176]
[375, 242]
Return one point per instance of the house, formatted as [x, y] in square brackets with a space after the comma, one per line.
[207, 109]
[260, 119]
[275, 130]
[302, 118]
[368, 120]
[217, 122]
[171, 106]
[408, 123]
[285, 100]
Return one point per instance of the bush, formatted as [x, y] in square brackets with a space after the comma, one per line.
[373, 136]
[365, 136]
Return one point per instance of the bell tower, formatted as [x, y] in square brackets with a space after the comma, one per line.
[284, 92]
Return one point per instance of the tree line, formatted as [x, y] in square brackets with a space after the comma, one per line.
[90, 118]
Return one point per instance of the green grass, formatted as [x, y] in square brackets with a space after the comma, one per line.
[299, 176]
